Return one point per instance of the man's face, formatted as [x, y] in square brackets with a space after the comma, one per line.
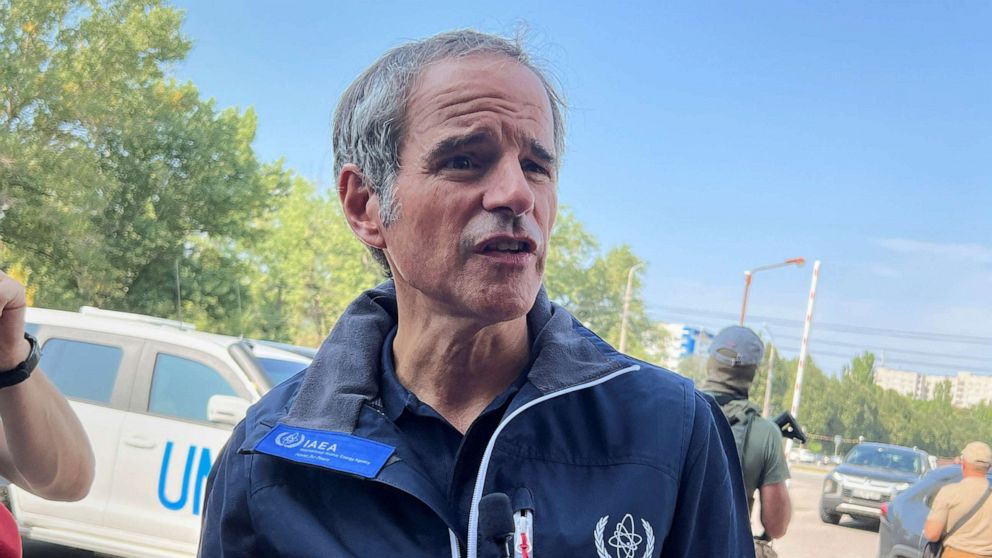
[476, 189]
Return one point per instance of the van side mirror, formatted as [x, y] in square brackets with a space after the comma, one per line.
[226, 409]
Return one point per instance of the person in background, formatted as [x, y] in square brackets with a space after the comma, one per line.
[43, 447]
[455, 410]
[961, 513]
[735, 354]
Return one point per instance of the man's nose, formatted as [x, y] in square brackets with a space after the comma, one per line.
[509, 190]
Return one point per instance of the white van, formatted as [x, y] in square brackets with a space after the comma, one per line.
[158, 403]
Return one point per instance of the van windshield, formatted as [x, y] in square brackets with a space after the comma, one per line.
[279, 370]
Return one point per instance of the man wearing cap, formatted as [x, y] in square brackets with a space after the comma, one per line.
[954, 502]
[734, 357]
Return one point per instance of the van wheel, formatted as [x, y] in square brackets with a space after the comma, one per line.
[828, 517]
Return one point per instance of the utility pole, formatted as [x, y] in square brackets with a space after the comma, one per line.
[626, 306]
[804, 349]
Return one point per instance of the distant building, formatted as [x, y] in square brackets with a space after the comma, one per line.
[681, 341]
[911, 384]
[967, 389]
[971, 389]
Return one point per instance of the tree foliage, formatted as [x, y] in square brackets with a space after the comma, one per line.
[111, 172]
[592, 286]
[853, 406]
[306, 268]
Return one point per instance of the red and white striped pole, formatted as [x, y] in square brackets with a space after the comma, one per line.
[804, 349]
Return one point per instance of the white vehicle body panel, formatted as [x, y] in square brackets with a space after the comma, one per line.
[147, 424]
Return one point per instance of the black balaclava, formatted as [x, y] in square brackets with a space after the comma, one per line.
[735, 354]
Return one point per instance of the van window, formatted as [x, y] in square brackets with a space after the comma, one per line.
[279, 370]
[81, 370]
[182, 387]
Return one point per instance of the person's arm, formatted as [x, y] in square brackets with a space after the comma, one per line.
[933, 528]
[43, 447]
[776, 509]
[711, 516]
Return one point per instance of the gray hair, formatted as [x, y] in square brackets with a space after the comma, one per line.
[370, 120]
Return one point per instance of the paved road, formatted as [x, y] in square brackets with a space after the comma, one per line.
[808, 537]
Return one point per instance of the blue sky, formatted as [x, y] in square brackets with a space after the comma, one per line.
[712, 138]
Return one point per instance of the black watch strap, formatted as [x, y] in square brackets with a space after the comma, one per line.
[23, 370]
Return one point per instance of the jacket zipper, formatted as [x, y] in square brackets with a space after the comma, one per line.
[480, 479]
[455, 552]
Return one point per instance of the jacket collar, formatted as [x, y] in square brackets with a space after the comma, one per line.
[344, 376]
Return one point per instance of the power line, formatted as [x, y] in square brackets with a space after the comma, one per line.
[719, 319]
[843, 328]
[876, 348]
[903, 362]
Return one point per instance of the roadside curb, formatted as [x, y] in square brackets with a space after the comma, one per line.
[809, 468]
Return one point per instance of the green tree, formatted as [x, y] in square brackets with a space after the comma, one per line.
[306, 268]
[861, 370]
[694, 368]
[942, 392]
[592, 285]
[854, 406]
[110, 171]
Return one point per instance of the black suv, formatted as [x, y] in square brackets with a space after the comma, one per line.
[871, 474]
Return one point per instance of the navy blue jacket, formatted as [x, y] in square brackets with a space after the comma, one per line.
[610, 454]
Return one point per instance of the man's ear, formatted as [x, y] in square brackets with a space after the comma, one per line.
[361, 206]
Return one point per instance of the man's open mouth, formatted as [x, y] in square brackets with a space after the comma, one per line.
[507, 246]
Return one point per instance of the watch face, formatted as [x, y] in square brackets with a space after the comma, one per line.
[34, 355]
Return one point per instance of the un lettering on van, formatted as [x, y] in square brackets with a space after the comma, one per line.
[195, 471]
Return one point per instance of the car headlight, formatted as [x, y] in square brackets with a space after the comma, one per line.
[837, 477]
[901, 486]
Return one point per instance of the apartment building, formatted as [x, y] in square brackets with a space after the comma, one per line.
[967, 389]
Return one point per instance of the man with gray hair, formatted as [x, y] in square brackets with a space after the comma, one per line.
[455, 410]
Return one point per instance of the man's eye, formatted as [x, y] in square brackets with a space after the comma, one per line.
[531, 166]
[459, 162]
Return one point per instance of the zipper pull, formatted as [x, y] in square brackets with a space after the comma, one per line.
[523, 534]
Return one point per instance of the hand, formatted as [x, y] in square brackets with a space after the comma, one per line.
[13, 347]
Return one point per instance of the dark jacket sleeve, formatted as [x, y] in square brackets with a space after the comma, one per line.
[228, 531]
[711, 512]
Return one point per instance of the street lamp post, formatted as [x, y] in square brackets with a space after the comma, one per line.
[748, 274]
[626, 305]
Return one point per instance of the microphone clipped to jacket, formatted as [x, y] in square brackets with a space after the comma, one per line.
[495, 526]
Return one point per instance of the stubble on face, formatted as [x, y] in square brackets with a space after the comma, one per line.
[474, 166]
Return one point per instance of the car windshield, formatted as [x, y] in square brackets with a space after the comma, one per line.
[278, 370]
[886, 458]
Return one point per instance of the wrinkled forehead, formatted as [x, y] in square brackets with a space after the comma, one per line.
[451, 89]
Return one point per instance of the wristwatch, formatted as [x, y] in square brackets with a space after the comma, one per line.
[23, 370]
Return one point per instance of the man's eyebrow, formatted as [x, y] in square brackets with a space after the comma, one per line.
[542, 153]
[454, 143]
